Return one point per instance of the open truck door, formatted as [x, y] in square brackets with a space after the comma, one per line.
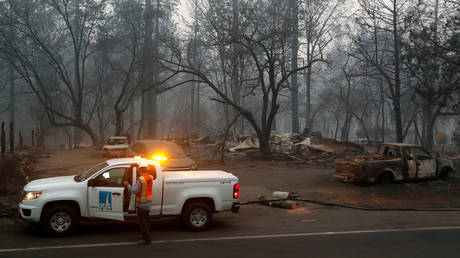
[157, 191]
[105, 194]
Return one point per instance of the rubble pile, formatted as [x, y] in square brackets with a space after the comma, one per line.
[289, 143]
[302, 148]
[248, 144]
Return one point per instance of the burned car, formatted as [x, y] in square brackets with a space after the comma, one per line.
[116, 146]
[170, 156]
[393, 162]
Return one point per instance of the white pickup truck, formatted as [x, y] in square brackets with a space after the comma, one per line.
[60, 203]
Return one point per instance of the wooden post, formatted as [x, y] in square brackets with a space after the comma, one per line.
[33, 137]
[3, 139]
[21, 141]
[11, 137]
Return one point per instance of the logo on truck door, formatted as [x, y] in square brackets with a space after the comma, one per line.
[105, 201]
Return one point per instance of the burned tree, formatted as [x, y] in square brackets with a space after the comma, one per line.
[380, 25]
[50, 53]
[436, 80]
[264, 38]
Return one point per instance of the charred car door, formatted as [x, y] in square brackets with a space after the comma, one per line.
[426, 164]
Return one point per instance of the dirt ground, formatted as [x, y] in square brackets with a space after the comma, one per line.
[262, 177]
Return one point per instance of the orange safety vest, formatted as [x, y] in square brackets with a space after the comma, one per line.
[145, 194]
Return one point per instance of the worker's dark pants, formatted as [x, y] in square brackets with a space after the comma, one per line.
[144, 223]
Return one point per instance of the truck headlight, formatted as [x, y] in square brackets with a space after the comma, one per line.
[31, 195]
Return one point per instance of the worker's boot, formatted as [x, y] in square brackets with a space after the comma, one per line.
[143, 242]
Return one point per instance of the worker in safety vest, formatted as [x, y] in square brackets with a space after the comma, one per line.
[143, 191]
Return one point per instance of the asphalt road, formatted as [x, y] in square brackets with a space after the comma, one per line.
[425, 242]
[258, 231]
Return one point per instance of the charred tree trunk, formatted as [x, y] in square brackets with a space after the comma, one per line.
[308, 107]
[295, 50]
[397, 86]
[236, 87]
[118, 123]
[131, 120]
[21, 141]
[87, 129]
[33, 138]
[3, 135]
[11, 137]
[428, 127]
[148, 91]
[12, 100]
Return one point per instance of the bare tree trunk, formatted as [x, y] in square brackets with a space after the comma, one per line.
[194, 96]
[382, 97]
[141, 124]
[308, 108]
[94, 137]
[118, 123]
[153, 121]
[148, 92]
[149, 113]
[131, 120]
[3, 139]
[224, 140]
[12, 100]
[197, 118]
[428, 126]
[397, 86]
[236, 87]
[346, 127]
[382, 103]
[429, 117]
[337, 125]
[11, 137]
[295, 50]
[192, 109]
[225, 89]
[76, 76]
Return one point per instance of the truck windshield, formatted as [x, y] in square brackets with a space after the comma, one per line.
[88, 173]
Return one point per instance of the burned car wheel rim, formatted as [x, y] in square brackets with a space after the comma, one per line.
[198, 217]
[60, 221]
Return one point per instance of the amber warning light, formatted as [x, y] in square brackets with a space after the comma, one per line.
[159, 158]
[236, 191]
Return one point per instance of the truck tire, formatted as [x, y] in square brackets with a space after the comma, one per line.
[60, 220]
[386, 178]
[197, 216]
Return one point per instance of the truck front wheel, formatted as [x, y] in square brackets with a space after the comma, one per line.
[197, 216]
[60, 220]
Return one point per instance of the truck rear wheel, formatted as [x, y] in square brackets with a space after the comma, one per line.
[197, 216]
[60, 220]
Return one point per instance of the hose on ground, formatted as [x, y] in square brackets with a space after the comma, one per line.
[342, 205]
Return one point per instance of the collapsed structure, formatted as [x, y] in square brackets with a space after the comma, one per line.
[297, 144]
